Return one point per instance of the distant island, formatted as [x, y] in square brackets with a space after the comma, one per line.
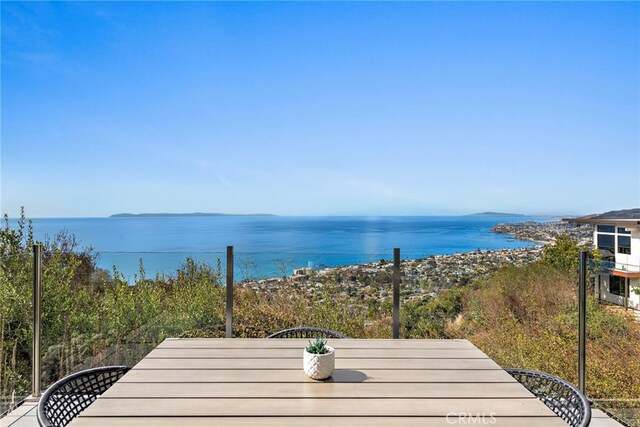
[496, 214]
[167, 214]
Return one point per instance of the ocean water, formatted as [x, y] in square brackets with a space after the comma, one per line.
[265, 245]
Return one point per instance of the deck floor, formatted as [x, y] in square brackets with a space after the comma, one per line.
[208, 382]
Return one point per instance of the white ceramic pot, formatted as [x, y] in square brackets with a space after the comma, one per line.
[319, 366]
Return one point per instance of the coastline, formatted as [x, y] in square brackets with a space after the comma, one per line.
[427, 277]
[423, 277]
[547, 232]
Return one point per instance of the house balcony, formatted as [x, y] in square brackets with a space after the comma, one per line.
[620, 269]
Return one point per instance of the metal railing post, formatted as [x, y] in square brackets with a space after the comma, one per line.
[37, 320]
[582, 317]
[229, 313]
[396, 293]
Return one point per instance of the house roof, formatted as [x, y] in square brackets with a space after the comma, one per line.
[624, 218]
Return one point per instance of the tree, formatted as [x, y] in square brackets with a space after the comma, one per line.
[565, 252]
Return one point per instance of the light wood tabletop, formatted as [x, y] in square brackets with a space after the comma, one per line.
[260, 382]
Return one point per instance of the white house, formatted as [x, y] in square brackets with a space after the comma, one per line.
[617, 237]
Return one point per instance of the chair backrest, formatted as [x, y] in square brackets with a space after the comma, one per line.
[307, 332]
[560, 396]
[65, 399]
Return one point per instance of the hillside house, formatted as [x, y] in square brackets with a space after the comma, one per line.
[617, 238]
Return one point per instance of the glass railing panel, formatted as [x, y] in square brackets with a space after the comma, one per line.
[16, 328]
[340, 291]
[433, 287]
[110, 314]
[613, 355]
[524, 313]
[609, 266]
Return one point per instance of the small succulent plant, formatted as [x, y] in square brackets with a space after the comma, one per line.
[318, 347]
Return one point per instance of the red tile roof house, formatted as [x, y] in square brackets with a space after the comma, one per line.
[617, 237]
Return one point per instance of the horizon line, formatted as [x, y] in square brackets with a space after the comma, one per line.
[139, 216]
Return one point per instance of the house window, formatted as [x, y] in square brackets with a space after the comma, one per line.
[616, 285]
[607, 242]
[606, 228]
[624, 244]
[622, 230]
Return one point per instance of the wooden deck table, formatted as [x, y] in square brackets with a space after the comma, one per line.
[260, 382]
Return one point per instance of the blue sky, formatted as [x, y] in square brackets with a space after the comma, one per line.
[320, 108]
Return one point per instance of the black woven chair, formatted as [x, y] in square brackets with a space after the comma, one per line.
[560, 396]
[307, 332]
[65, 399]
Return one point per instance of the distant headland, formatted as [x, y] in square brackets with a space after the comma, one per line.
[496, 214]
[168, 214]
